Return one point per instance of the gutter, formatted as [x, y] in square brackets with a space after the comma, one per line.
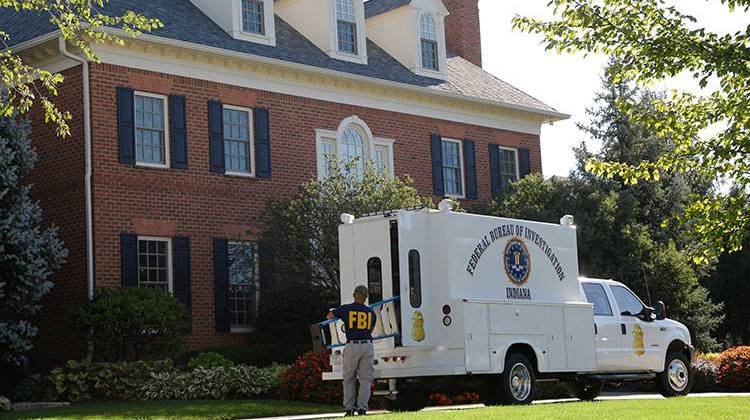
[87, 150]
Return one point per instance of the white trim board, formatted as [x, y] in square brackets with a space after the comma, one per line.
[267, 82]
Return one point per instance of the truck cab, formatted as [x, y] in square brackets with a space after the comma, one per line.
[497, 302]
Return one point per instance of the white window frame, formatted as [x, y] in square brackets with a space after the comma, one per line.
[170, 277]
[241, 330]
[329, 136]
[251, 129]
[461, 164]
[442, 72]
[333, 51]
[167, 141]
[388, 145]
[269, 38]
[518, 171]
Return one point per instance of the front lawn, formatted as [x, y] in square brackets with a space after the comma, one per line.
[679, 408]
[174, 410]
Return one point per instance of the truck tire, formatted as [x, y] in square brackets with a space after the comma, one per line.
[517, 382]
[677, 378]
[584, 391]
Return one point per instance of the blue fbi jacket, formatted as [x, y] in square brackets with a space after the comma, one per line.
[359, 321]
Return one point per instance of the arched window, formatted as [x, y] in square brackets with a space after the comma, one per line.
[346, 26]
[429, 42]
[353, 147]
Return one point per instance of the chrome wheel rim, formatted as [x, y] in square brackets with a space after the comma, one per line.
[678, 375]
[520, 381]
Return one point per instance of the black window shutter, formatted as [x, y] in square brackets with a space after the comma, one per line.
[524, 162]
[265, 263]
[221, 285]
[182, 270]
[262, 144]
[470, 166]
[438, 186]
[129, 259]
[216, 135]
[179, 132]
[495, 170]
[126, 125]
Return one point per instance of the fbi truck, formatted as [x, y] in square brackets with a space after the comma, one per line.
[497, 303]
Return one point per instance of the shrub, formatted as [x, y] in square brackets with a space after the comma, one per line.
[440, 399]
[5, 404]
[734, 369]
[304, 382]
[705, 373]
[132, 324]
[209, 383]
[36, 388]
[260, 355]
[82, 381]
[209, 359]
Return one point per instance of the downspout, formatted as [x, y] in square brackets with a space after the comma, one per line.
[87, 176]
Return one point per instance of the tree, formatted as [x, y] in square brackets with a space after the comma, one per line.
[29, 253]
[730, 283]
[81, 22]
[653, 42]
[303, 233]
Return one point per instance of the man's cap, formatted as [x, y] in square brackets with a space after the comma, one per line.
[361, 290]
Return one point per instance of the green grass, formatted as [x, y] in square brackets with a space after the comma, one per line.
[174, 410]
[679, 408]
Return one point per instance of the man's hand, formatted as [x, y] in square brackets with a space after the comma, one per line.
[330, 316]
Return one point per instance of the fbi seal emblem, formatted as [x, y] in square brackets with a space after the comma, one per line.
[517, 261]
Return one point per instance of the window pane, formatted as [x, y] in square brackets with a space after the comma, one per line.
[345, 11]
[237, 150]
[153, 267]
[595, 294]
[508, 167]
[347, 36]
[381, 159]
[627, 301]
[375, 279]
[329, 153]
[252, 16]
[149, 130]
[415, 279]
[428, 37]
[452, 173]
[353, 147]
[242, 284]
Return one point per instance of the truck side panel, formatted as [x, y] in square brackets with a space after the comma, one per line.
[581, 347]
[476, 338]
[555, 321]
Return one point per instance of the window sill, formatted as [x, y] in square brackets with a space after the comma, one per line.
[152, 165]
[240, 175]
[456, 197]
[238, 330]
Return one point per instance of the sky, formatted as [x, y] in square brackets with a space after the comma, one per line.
[567, 82]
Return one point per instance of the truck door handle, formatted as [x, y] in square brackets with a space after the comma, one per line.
[624, 330]
[596, 330]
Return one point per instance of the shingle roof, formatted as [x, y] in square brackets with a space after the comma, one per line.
[185, 22]
[378, 7]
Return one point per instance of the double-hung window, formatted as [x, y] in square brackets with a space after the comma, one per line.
[346, 26]
[453, 172]
[155, 263]
[508, 166]
[253, 17]
[428, 42]
[243, 285]
[238, 141]
[151, 138]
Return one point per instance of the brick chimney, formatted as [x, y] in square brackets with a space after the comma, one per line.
[462, 35]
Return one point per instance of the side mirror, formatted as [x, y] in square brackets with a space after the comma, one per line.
[660, 311]
[647, 314]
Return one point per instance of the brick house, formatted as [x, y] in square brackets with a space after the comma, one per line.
[181, 137]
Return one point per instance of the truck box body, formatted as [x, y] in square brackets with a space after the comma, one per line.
[470, 287]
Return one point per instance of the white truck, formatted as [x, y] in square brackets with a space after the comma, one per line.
[497, 303]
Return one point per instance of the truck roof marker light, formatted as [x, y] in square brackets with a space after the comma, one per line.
[446, 205]
[568, 221]
[347, 218]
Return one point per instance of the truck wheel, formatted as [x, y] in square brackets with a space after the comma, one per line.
[677, 378]
[584, 391]
[517, 382]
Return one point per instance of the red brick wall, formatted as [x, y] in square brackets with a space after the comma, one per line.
[58, 184]
[203, 205]
[462, 30]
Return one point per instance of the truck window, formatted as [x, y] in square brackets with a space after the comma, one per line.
[415, 279]
[627, 301]
[596, 295]
[375, 279]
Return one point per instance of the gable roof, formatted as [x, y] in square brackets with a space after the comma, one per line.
[184, 22]
[378, 7]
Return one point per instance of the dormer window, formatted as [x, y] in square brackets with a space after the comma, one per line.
[429, 42]
[346, 26]
[253, 17]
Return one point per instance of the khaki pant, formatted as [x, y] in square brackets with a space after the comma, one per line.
[358, 363]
